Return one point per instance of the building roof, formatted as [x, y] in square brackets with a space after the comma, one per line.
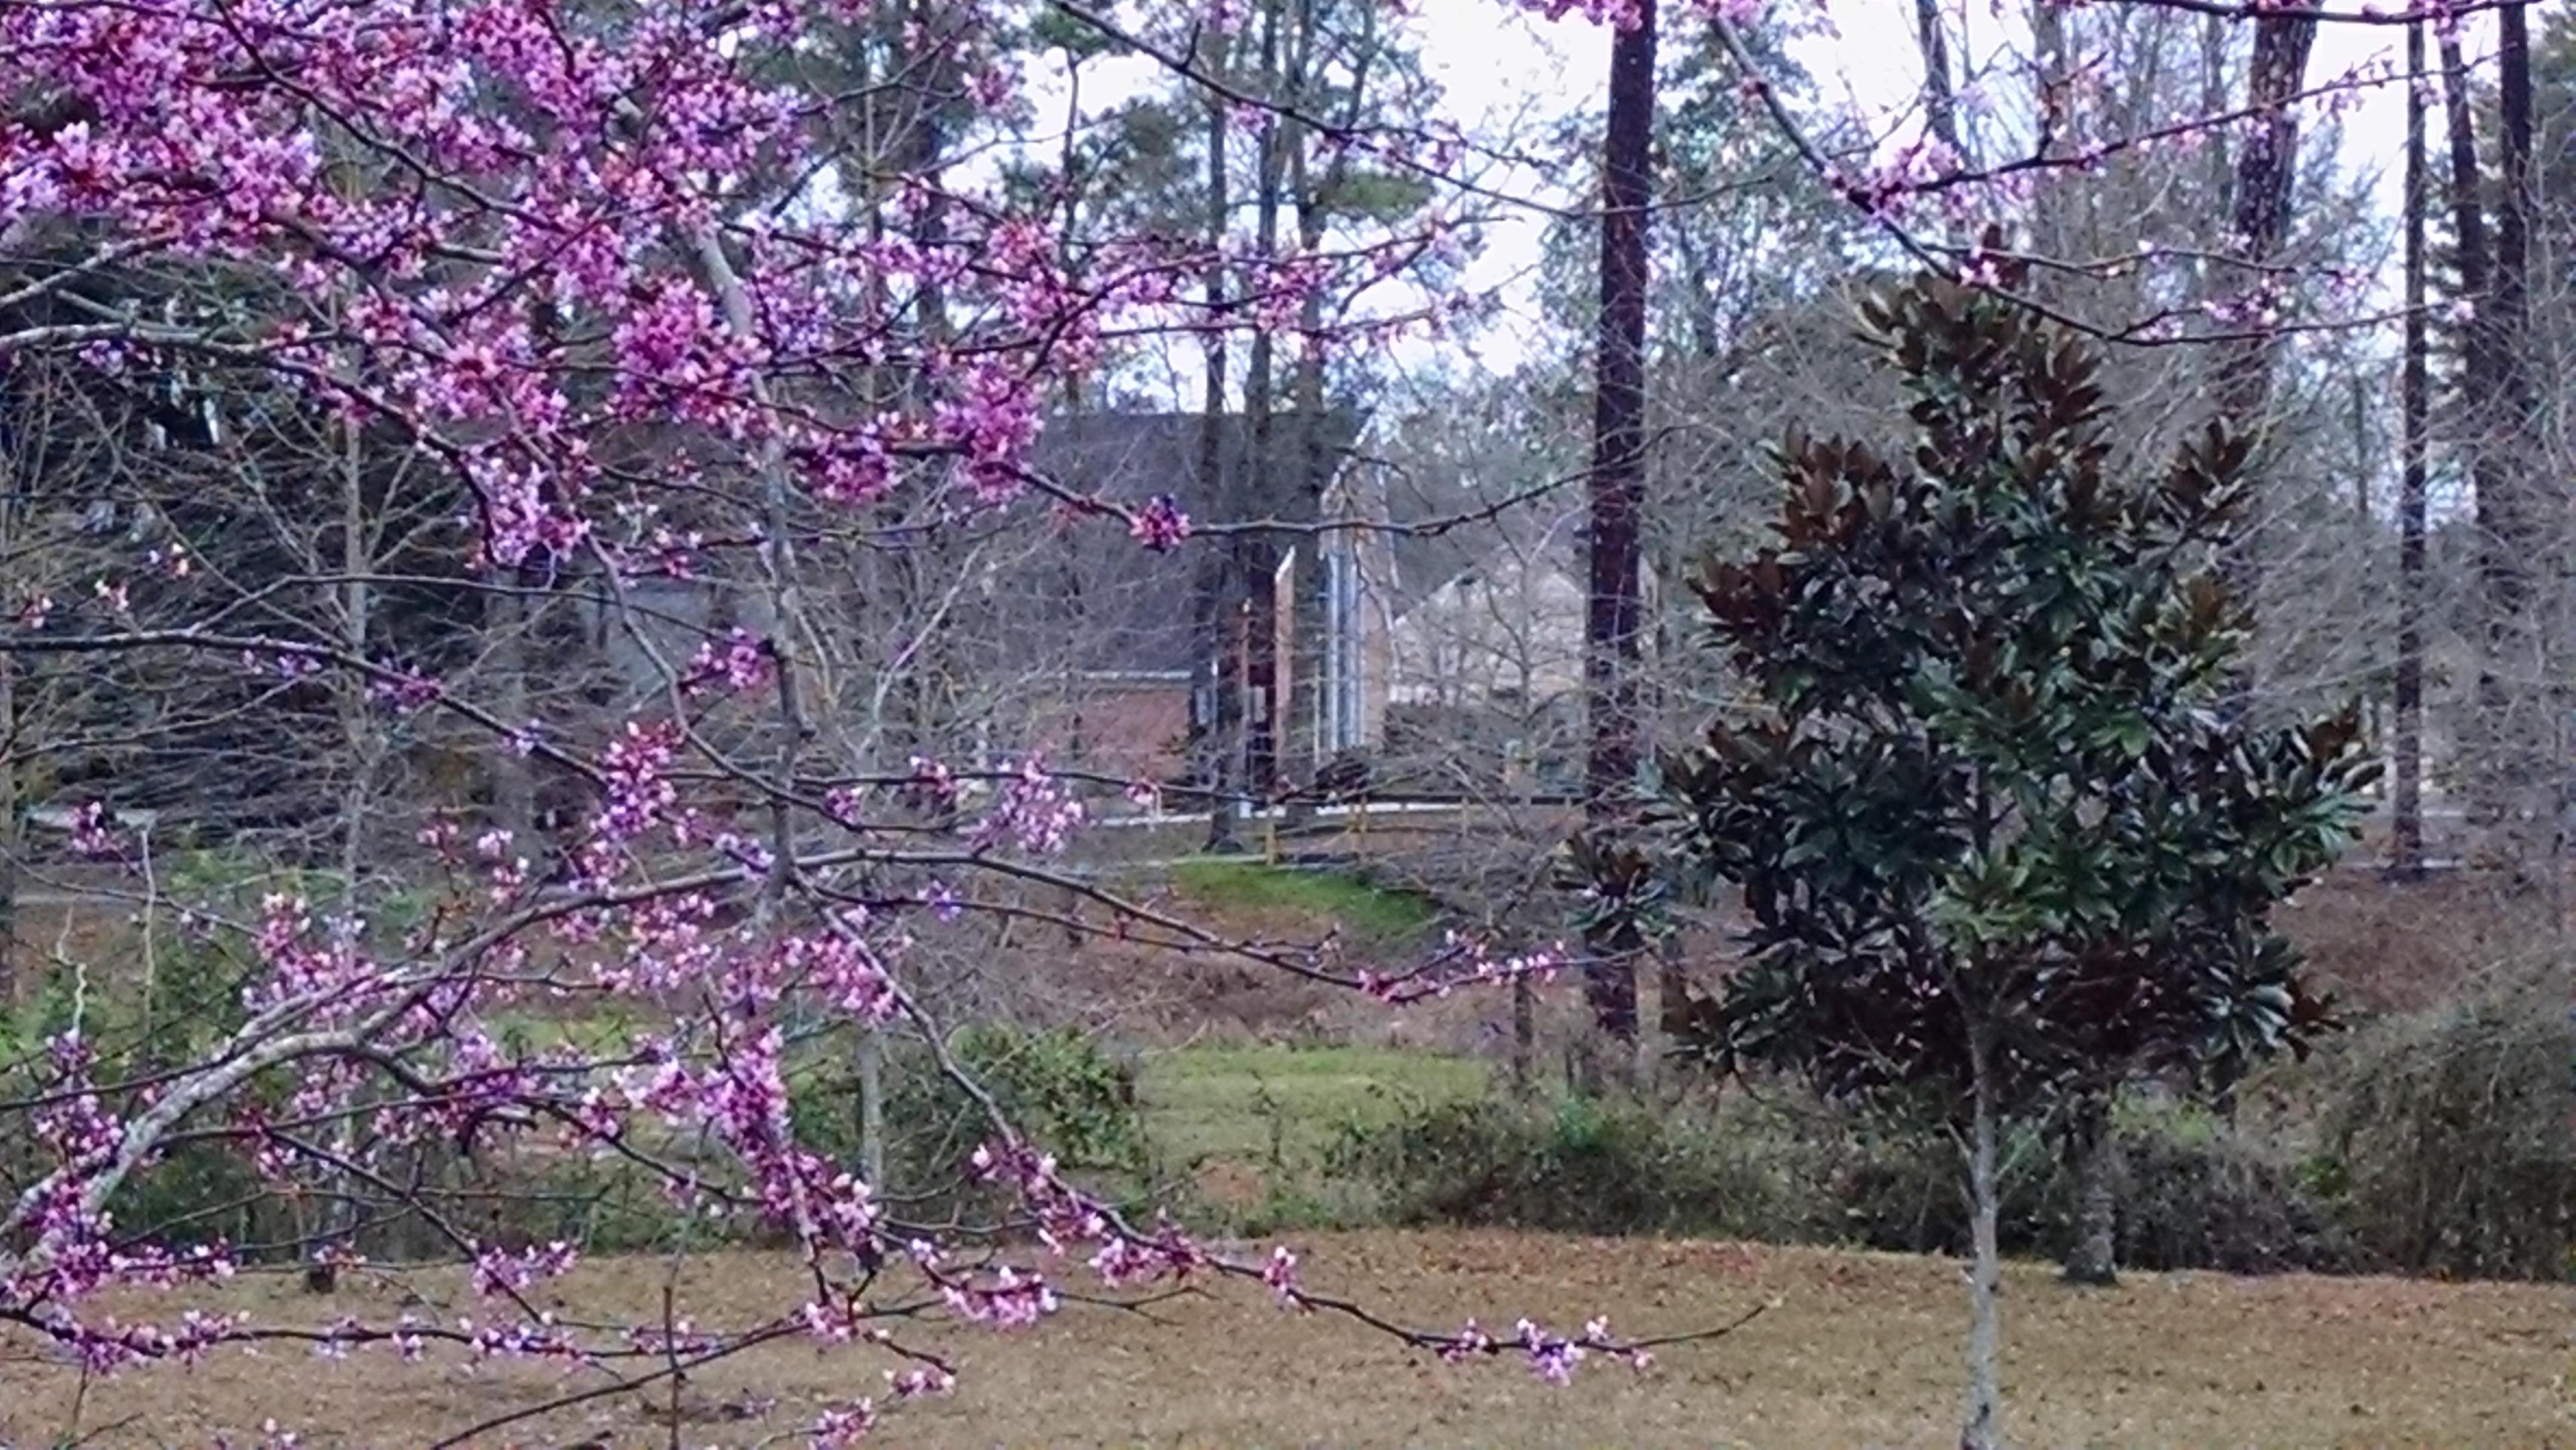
[1119, 607]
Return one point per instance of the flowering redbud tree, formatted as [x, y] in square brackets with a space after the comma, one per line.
[386, 329]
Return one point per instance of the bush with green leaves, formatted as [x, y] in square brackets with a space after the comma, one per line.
[1059, 1086]
[152, 1020]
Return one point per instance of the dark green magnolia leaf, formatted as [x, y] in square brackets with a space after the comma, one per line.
[2130, 734]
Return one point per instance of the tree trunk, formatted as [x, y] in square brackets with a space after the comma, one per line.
[9, 808]
[2406, 766]
[1940, 100]
[510, 777]
[2221, 180]
[2092, 1254]
[872, 1123]
[1613, 620]
[2486, 797]
[1212, 715]
[2058, 121]
[357, 721]
[1307, 635]
[10, 803]
[1984, 1427]
[1524, 1034]
[1672, 991]
[2266, 171]
[1257, 722]
[2521, 652]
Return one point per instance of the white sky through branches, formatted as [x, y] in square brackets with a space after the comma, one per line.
[1507, 76]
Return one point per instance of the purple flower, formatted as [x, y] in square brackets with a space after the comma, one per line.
[1160, 525]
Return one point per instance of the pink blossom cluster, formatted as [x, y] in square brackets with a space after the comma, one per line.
[635, 771]
[1034, 810]
[281, 666]
[1126, 1257]
[596, 196]
[741, 661]
[502, 1271]
[404, 690]
[1160, 525]
[92, 837]
[1462, 961]
[1551, 1357]
[934, 785]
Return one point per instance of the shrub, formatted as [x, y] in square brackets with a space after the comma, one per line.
[1058, 1086]
[1798, 1172]
[1072, 1097]
[2217, 1200]
[198, 1192]
[1896, 1187]
[2446, 1133]
[2191, 1193]
[1586, 1165]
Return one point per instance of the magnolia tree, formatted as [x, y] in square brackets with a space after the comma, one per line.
[1998, 848]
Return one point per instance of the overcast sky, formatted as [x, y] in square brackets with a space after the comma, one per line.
[1504, 70]
[1869, 65]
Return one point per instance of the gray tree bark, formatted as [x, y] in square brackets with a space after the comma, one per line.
[2265, 180]
[1983, 1429]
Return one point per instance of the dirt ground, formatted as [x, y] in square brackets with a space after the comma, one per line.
[1861, 1350]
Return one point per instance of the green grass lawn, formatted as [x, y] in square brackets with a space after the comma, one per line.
[1279, 1106]
[1252, 1105]
[1367, 912]
[1263, 1115]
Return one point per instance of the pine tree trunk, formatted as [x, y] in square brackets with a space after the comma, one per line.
[1301, 751]
[1613, 620]
[2266, 173]
[1257, 718]
[511, 778]
[2478, 389]
[1672, 990]
[872, 1124]
[2406, 767]
[1984, 1427]
[1211, 717]
[1940, 99]
[9, 986]
[2092, 1255]
[9, 803]
[2523, 653]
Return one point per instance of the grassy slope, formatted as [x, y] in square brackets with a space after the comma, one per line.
[1365, 912]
